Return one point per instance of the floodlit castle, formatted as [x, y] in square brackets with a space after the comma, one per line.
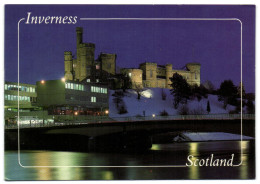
[84, 68]
[158, 76]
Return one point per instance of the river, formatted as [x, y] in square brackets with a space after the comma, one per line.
[162, 161]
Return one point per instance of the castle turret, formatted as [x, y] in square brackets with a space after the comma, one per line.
[79, 31]
[194, 68]
[68, 65]
[168, 68]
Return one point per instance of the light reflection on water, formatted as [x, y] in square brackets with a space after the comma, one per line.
[193, 150]
[160, 154]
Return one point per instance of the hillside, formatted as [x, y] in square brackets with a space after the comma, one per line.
[151, 102]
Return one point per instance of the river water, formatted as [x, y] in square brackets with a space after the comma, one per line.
[162, 161]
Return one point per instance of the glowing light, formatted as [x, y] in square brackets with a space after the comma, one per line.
[76, 113]
[63, 79]
[106, 111]
[42, 81]
[153, 115]
[147, 93]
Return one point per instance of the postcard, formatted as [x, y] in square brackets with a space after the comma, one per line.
[129, 92]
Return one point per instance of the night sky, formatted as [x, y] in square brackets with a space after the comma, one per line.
[213, 44]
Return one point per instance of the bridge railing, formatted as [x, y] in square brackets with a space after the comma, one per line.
[187, 117]
[42, 123]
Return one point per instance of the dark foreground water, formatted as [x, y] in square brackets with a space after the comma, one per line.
[163, 161]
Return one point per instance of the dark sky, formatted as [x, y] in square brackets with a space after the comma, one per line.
[213, 44]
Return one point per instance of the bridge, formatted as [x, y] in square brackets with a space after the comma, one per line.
[131, 133]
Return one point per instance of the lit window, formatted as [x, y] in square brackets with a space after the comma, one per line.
[88, 80]
[97, 80]
[6, 97]
[106, 90]
[93, 99]
[130, 74]
[140, 75]
[92, 88]
[6, 87]
[77, 87]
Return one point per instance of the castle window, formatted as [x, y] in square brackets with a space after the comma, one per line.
[195, 75]
[140, 75]
[151, 73]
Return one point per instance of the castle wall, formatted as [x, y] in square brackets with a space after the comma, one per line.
[154, 76]
[135, 76]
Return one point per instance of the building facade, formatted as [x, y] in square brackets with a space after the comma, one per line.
[62, 97]
[27, 96]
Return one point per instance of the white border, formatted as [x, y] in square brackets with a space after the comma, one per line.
[151, 19]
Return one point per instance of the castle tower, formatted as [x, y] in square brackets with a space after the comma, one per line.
[150, 74]
[108, 62]
[194, 68]
[168, 68]
[79, 31]
[68, 66]
[77, 63]
[86, 59]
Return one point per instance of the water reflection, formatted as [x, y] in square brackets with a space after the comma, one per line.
[165, 154]
[193, 170]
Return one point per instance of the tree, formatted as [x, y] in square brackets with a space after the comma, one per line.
[208, 107]
[250, 107]
[127, 83]
[138, 89]
[118, 98]
[227, 93]
[180, 89]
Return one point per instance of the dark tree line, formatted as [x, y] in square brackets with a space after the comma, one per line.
[227, 93]
[182, 91]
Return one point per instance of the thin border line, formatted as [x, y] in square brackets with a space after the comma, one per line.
[197, 19]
